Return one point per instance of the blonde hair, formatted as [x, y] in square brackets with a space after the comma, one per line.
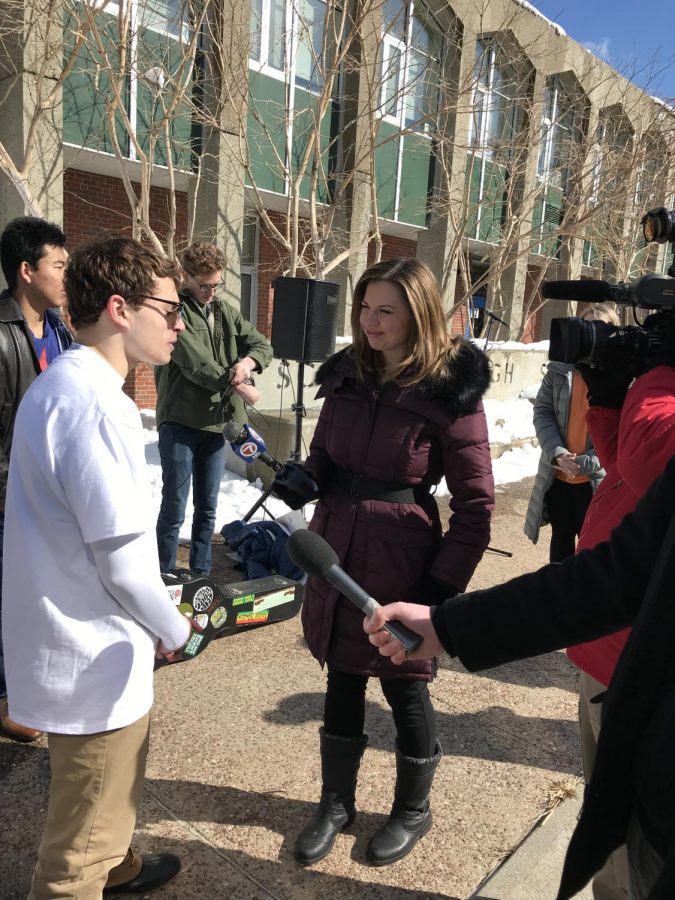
[603, 312]
[428, 341]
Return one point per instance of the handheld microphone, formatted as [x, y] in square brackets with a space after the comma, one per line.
[315, 556]
[248, 445]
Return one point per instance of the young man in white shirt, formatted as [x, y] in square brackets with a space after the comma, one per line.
[81, 629]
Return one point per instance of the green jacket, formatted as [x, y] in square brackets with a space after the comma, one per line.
[189, 388]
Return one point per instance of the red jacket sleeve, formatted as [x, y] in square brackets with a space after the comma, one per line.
[647, 428]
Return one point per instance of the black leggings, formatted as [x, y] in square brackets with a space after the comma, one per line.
[345, 710]
[566, 504]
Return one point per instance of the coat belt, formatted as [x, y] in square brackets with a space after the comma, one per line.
[364, 488]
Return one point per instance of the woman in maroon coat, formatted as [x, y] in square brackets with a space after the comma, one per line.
[402, 410]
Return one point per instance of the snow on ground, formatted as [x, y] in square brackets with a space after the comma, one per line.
[508, 421]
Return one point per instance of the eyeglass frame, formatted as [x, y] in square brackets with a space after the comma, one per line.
[205, 287]
[175, 313]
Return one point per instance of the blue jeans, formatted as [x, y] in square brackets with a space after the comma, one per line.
[188, 454]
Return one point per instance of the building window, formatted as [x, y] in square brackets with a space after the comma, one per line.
[411, 53]
[560, 134]
[290, 70]
[268, 35]
[494, 124]
[287, 41]
[612, 176]
[249, 270]
[155, 69]
[411, 58]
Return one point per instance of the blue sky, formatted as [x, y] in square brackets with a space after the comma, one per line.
[633, 36]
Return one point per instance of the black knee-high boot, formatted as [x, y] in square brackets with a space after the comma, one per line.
[340, 761]
[410, 816]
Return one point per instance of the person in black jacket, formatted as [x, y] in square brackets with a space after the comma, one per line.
[33, 258]
[624, 581]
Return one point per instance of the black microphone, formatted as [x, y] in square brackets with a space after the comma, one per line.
[315, 556]
[496, 318]
[248, 445]
[588, 290]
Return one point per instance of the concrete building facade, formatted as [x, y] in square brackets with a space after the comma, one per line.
[311, 137]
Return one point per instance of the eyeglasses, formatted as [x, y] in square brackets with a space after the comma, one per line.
[204, 286]
[174, 314]
[207, 288]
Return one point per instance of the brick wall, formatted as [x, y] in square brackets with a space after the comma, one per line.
[392, 247]
[270, 266]
[97, 205]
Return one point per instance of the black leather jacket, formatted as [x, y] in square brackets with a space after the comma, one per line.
[19, 367]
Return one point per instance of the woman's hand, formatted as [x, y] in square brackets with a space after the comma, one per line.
[567, 463]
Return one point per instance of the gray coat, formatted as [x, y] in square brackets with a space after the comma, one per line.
[551, 412]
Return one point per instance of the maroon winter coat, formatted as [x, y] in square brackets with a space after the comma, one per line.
[410, 436]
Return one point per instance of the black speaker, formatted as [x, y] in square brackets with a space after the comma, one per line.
[304, 320]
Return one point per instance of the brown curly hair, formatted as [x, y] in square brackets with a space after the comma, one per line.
[202, 258]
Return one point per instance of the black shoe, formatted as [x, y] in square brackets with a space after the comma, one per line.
[316, 839]
[340, 761]
[397, 837]
[410, 816]
[157, 869]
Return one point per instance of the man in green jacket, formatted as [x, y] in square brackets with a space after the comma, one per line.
[203, 387]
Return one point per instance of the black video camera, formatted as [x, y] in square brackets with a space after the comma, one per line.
[599, 344]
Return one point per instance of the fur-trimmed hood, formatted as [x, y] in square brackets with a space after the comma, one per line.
[459, 389]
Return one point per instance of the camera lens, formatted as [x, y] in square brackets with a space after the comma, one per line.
[572, 340]
[659, 225]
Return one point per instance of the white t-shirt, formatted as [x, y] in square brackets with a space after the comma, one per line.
[78, 658]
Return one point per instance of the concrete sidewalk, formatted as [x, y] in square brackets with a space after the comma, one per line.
[234, 771]
[533, 869]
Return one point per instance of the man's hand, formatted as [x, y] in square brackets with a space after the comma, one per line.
[242, 370]
[163, 652]
[417, 618]
[249, 393]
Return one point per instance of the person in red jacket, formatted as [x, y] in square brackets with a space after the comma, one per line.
[634, 437]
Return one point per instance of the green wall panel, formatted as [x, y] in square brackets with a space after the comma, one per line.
[386, 165]
[266, 132]
[415, 167]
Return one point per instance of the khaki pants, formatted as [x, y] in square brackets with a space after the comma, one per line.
[93, 796]
[611, 882]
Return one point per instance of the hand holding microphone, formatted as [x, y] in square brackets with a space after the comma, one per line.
[293, 484]
[315, 556]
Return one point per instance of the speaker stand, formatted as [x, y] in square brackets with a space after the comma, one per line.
[300, 412]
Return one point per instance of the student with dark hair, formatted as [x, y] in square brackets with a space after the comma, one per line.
[203, 387]
[32, 334]
[81, 568]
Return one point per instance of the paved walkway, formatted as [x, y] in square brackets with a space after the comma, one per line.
[234, 771]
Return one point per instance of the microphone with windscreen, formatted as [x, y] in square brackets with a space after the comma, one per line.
[249, 445]
[315, 556]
